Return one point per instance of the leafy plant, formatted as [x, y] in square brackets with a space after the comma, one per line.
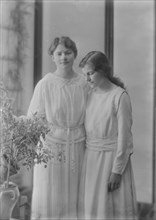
[21, 138]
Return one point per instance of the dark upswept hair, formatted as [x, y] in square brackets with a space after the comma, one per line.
[65, 41]
[100, 62]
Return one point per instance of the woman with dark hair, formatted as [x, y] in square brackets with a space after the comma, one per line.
[107, 188]
[61, 96]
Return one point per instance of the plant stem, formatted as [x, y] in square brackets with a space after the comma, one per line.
[8, 173]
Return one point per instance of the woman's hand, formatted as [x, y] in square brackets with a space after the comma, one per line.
[114, 182]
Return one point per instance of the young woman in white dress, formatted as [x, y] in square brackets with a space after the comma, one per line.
[107, 189]
[61, 96]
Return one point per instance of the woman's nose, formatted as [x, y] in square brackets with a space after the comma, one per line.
[88, 78]
[63, 56]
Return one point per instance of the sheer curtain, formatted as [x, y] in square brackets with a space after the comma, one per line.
[16, 70]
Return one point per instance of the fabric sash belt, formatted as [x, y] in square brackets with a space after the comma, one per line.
[105, 144]
[69, 141]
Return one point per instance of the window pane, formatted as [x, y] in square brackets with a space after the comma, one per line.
[83, 21]
[134, 63]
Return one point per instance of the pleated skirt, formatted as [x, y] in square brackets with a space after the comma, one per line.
[95, 202]
[55, 188]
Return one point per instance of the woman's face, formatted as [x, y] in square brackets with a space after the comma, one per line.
[93, 77]
[63, 57]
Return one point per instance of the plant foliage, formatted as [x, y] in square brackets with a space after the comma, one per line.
[21, 138]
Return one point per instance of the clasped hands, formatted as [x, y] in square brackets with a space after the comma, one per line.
[114, 182]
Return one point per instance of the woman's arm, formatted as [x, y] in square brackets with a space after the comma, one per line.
[37, 103]
[124, 141]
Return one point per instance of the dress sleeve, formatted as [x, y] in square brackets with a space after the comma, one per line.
[37, 104]
[125, 139]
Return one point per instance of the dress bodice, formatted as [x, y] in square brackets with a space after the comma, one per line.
[63, 101]
[101, 113]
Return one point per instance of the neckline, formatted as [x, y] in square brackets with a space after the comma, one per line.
[95, 91]
[66, 79]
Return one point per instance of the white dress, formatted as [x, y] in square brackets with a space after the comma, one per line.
[55, 188]
[108, 148]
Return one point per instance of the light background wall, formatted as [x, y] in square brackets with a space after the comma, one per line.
[134, 63]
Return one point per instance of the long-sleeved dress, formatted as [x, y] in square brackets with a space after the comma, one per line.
[55, 188]
[108, 148]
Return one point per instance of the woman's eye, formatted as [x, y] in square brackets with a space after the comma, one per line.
[90, 73]
[68, 52]
[65, 53]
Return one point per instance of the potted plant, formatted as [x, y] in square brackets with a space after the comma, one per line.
[21, 144]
